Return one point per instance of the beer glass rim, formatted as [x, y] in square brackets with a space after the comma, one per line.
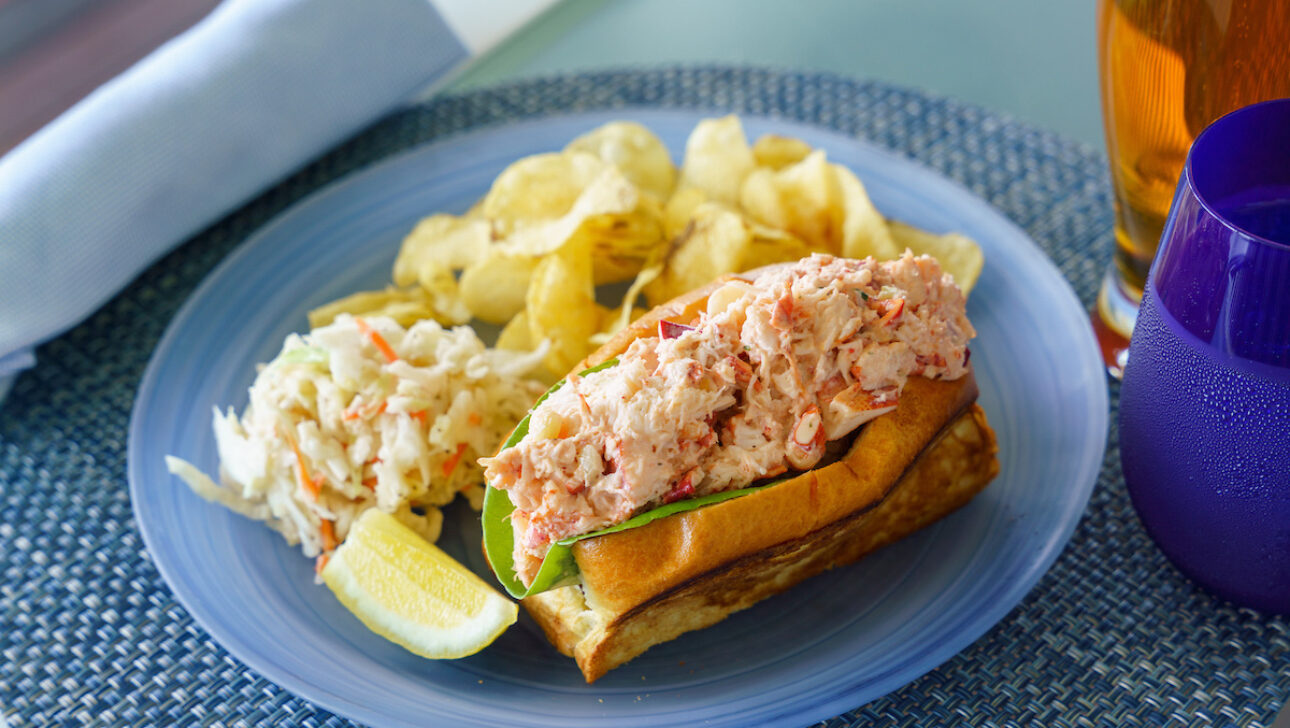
[1221, 127]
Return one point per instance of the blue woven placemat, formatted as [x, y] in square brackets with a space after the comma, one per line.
[1112, 635]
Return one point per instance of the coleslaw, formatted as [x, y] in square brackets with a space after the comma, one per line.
[363, 413]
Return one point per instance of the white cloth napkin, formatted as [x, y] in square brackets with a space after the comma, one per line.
[221, 112]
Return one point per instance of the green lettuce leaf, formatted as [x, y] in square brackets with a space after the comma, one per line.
[559, 567]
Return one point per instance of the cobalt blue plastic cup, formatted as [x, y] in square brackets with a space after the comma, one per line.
[1205, 403]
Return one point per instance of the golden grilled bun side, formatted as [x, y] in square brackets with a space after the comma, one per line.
[623, 570]
[957, 464]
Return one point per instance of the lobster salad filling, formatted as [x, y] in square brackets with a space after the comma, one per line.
[756, 386]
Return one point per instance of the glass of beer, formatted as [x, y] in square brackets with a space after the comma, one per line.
[1205, 404]
[1168, 69]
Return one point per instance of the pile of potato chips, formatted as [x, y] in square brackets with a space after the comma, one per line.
[612, 207]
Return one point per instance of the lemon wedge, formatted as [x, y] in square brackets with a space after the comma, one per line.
[408, 591]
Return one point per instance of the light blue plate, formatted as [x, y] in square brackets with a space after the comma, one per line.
[829, 645]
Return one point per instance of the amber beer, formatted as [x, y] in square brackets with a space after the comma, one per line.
[1169, 68]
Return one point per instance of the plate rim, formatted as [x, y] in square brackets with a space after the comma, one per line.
[1014, 591]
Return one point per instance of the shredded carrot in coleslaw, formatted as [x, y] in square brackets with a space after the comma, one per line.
[377, 340]
[366, 412]
[328, 535]
[450, 464]
[310, 485]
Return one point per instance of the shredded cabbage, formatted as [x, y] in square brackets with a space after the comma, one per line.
[334, 427]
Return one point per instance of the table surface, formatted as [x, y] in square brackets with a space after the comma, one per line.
[1031, 61]
[1111, 636]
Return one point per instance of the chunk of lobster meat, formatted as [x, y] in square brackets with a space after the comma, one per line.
[683, 488]
[740, 369]
[806, 442]
[853, 407]
[888, 309]
[720, 299]
[782, 315]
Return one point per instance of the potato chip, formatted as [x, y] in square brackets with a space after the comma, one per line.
[407, 306]
[540, 187]
[612, 205]
[620, 244]
[612, 320]
[679, 210]
[716, 242]
[444, 292]
[635, 151]
[605, 320]
[515, 334]
[649, 272]
[778, 152]
[494, 289]
[864, 232]
[441, 241]
[804, 199]
[717, 158]
[958, 254]
[608, 193]
[561, 306]
[616, 320]
[769, 246]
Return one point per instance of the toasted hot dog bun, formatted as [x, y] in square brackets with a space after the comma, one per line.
[647, 585]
